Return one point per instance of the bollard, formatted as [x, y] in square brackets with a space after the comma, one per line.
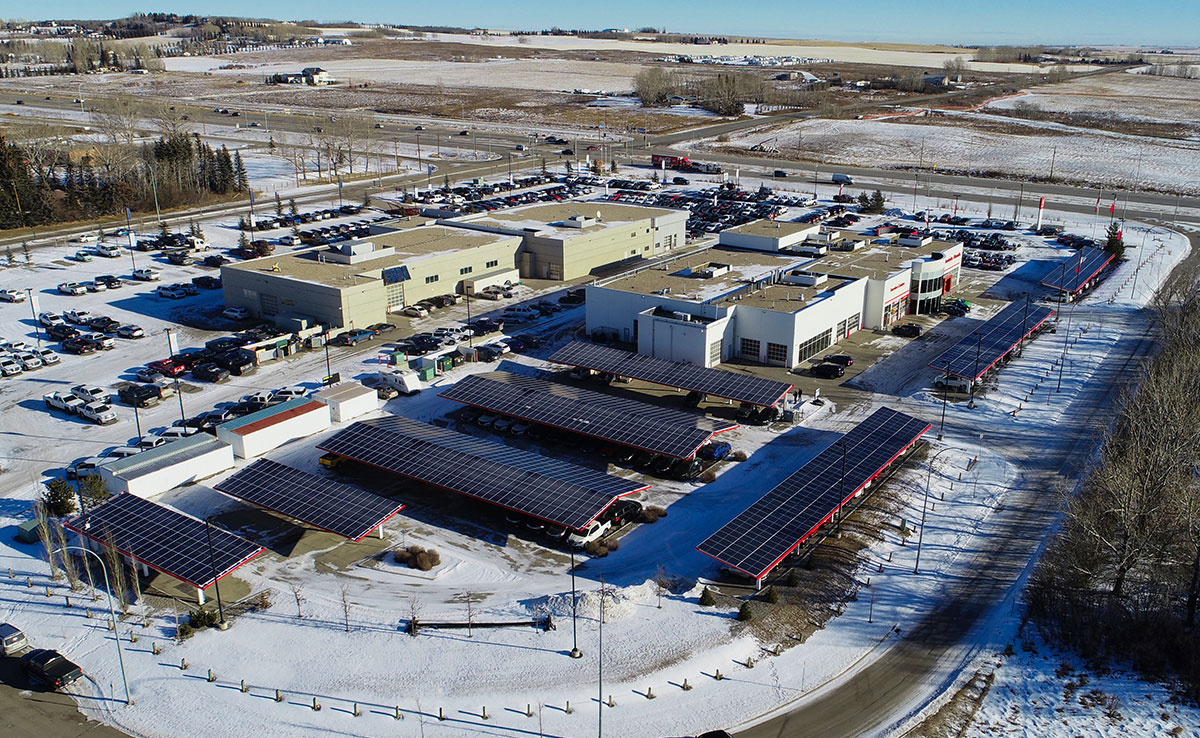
[183, 664]
[650, 693]
[10, 572]
[243, 687]
[398, 715]
[132, 637]
[880, 567]
[211, 676]
[867, 584]
[611, 702]
[569, 710]
[441, 714]
[68, 600]
[154, 648]
[316, 707]
[87, 612]
[483, 713]
[889, 557]
[749, 662]
[528, 710]
[718, 676]
[779, 649]
[28, 581]
[943, 496]
[111, 626]
[278, 696]
[48, 590]
[356, 713]
[933, 506]
[685, 686]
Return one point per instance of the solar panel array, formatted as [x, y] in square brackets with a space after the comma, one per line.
[768, 530]
[319, 502]
[627, 422]
[971, 357]
[545, 488]
[1078, 269]
[165, 539]
[681, 374]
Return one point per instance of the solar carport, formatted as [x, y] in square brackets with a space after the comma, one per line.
[678, 374]
[640, 425]
[166, 540]
[978, 352]
[758, 539]
[548, 489]
[1078, 270]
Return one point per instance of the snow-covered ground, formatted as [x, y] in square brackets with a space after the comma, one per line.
[379, 668]
[1110, 161]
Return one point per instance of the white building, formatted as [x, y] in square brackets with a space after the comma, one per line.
[257, 433]
[768, 235]
[159, 469]
[348, 400]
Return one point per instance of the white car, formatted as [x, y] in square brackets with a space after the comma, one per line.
[147, 275]
[175, 432]
[82, 255]
[127, 330]
[288, 393]
[236, 313]
[48, 357]
[415, 311]
[103, 341]
[72, 288]
[28, 361]
[593, 532]
[121, 452]
[79, 317]
[88, 238]
[98, 412]
[146, 374]
[88, 392]
[96, 286]
[107, 249]
[63, 401]
[50, 319]
[12, 296]
[166, 386]
[14, 347]
[9, 366]
[148, 442]
[173, 293]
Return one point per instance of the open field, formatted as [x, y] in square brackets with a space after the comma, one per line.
[1135, 96]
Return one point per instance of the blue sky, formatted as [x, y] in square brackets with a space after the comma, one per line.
[1151, 22]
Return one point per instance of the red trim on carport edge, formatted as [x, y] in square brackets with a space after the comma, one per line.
[735, 426]
[489, 502]
[1001, 356]
[160, 570]
[812, 530]
[680, 387]
[1083, 283]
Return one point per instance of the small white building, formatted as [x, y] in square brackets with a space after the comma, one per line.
[768, 235]
[159, 469]
[257, 433]
[348, 400]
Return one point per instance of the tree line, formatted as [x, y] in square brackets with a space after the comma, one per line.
[1122, 578]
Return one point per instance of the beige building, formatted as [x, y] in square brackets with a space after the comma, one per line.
[570, 240]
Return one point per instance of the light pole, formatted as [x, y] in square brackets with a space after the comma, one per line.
[945, 390]
[841, 489]
[978, 350]
[575, 652]
[924, 506]
[1066, 336]
[212, 561]
[33, 311]
[111, 612]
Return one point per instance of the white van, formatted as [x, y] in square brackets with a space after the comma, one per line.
[952, 383]
[594, 532]
[107, 249]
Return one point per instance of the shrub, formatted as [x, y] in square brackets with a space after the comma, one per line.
[771, 596]
[652, 513]
[183, 631]
[417, 558]
[744, 613]
[595, 548]
[202, 618]
[793, 579]
[612, 544]
[707, 598]
[739, 456]
[709, 475]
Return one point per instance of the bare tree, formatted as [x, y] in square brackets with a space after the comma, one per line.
[68, 560]
[414, 615]
[470, 617]
[169, 120]
[116, 570]
[296, 589]
[661, 584]
[46, 536]
[346, 605]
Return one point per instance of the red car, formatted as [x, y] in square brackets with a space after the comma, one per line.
[167, 368]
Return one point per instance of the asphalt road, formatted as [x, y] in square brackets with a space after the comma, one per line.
[28, 714]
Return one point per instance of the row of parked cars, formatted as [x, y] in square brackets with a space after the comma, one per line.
[478, 192]
[43, 667]
[80, 332]
[17, 357]
[286, 220]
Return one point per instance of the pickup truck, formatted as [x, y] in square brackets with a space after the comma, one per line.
[62, 401]
[139, 395]
[98, 412]
[50, 668]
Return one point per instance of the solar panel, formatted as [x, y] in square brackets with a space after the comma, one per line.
[164, 539]
[758, 539]
[1078, 269]
[971, 357]
[331, 506]
[545, 488]
[627, 422]
[681, 374]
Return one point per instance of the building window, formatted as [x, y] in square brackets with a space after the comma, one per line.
[750, 348]
[777, 353]
[492, 263]
[431, 279]
[714, 352]
[466, 270]
[853, 323]
[815, 345]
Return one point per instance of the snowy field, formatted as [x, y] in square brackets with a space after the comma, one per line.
[1135, 96]
[377, 667]
[1108, 160]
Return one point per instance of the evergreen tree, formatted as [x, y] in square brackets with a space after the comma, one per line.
[243, 241]
[707, 598]
[292, 206]
[92, 489]
[878, 204]
[1114, 242]
[59, 497]
[744, 613]
[864, 202]
[278, 206]
[226, 177]
[241, 180]
[28, 256]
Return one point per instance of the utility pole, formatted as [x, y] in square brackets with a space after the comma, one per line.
[33, 311]
[924, 506]
[1066, 336]
[841, 490]
[978, 351]
[1053, 156]
[575, 652]
[112, 614]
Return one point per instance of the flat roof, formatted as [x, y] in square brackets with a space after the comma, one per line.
[765, 228]
[786, 297]
[744, 266]
[410, 244]
[344, 391]
[270, 416]
[873, 260]
[549, 216]
[168, 454]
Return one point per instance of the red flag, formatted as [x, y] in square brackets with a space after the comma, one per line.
[1112, 208]
[1042, 204]
[1121, 234]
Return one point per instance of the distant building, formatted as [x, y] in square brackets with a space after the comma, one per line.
[314, 76]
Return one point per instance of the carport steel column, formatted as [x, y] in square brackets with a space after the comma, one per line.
[212, 560]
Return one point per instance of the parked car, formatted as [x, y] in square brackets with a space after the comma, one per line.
[139, 395]
[171, 292]
[63, 401]
[108, 280]
[907, 330]
[843, 359]
[88, 392]
[50, 669]
[827, 370]
[352, 337]
[289, 393]
[47, 356]
[51, 319]
[207, 282]
[9, 367]
[95, 286]
[415, 311]
[12, 640]
[62, 332]
[12, 296]
[236, 313]
[380, 328]
[714, 451]
[78, 346]
[147, 275]
[146, 374]
[104, 324]
[72, 288]
[98, 412]
[99, 340]
[79, 317]
[596, 530]
[210, 372]
[167, 367]
[128, 330]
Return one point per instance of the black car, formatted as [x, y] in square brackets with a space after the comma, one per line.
[246, 407]
[643, 460]
[693, 398]
[62, 332]
[50, 668]
[79, 346]
[380, 328]
[529, 339]
[843, 359]
[104, 324]
[139, 395]
[236, 362]
[907, 330]
[210, 372]
[828, 371]
[488, 353]
[192, 358]
[225, 343]
[662, 465]
[215, 260]
[109, 281]
[207, 282]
